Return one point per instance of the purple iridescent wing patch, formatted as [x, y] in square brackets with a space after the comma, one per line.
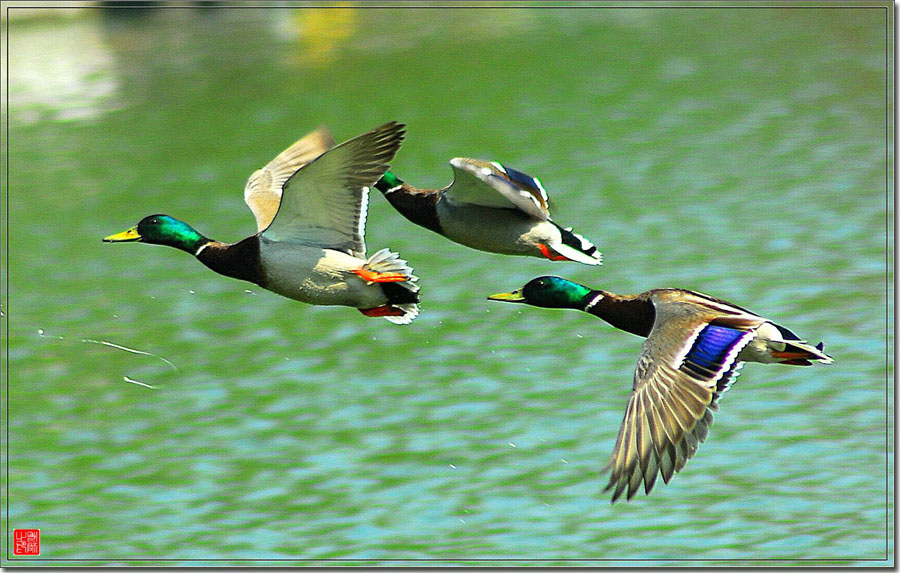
[522, 179]
[714, 351]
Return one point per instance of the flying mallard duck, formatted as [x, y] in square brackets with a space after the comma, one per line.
[491, 208]
[694, 348]
[310, 207]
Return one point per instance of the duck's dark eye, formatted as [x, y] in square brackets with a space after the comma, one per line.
[154, 221]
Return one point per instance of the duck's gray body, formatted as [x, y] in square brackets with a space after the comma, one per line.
[310, 205]
[490, 208]
[504, 231]
[316, 276]
[693, 349]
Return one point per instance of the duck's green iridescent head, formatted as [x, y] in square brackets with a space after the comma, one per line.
[548, 292]
[388, 181]
[162, 230]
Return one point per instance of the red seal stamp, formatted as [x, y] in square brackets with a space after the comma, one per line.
[26, 541]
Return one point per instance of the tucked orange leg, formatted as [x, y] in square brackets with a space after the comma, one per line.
[383, 310]
[792, 358]
[545, 250]
[371, 276]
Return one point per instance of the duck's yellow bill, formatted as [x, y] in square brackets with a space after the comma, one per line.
[514, 296]
[129, 235]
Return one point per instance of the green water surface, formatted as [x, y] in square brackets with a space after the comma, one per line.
[741, 152]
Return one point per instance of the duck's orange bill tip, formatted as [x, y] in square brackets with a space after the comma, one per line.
[129, 235]
[514, 296]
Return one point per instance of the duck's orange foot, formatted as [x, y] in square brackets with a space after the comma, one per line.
[792, 358]
[552, 255]
[371, 276]
[383, 310]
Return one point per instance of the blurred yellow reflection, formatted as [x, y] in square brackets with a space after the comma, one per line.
[322, 30]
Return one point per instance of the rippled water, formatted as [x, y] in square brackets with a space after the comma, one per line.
[739, 152]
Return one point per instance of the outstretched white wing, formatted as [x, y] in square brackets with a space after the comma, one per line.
[263, 190]
[324, 204]
[490, 184]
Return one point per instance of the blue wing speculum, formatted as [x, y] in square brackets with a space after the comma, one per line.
[523, 179]
[714, 351]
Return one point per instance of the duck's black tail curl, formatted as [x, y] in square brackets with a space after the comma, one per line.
[584, 251]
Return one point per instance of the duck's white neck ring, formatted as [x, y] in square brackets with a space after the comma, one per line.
[593, 302]
[200, 250]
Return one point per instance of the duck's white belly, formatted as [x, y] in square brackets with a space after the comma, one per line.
[316, 276]
[504, 231]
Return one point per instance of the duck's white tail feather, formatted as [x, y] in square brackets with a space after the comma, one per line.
[401, 295]
[410, 312]
[386, 261]
[776, 344]
[577, 248]
[811, 352]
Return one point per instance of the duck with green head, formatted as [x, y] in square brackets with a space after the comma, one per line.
[491, 208]
[694, 347]
[310, 207]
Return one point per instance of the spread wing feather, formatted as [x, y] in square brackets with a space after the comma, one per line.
[324, 203]
[263, 190]
[676, 390]
[493, 185]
